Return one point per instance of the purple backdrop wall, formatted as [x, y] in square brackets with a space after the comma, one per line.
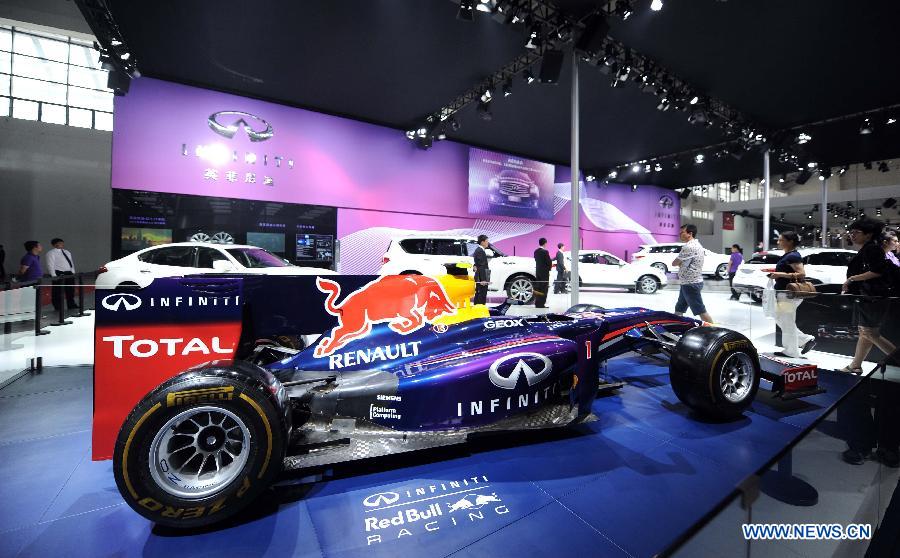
[164, 140]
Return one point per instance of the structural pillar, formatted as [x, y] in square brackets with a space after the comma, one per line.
[767, 211]
[823, 210]
[576, 202]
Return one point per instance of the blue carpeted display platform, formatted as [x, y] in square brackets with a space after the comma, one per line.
[627, 484]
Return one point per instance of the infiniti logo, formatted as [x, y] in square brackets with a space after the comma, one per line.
[115, 301]
[255, 127]
[666, 201]
[510, 381]
[381, 499]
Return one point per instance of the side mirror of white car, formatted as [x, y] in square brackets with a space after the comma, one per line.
[223, 266]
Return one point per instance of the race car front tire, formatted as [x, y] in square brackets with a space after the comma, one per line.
[715, 372]
[199, 448]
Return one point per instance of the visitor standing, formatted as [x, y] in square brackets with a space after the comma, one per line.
[542, 265]
[790, 268]
[30, 264]
[737, 258]
[690, 274]
[482, 270]
[61, 267]
[868, 278]
[559, 286]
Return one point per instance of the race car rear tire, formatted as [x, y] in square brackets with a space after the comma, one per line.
[200, 447]
[715, 371]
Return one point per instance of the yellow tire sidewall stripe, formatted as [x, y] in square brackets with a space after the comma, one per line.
[134, 430]
[265, 420]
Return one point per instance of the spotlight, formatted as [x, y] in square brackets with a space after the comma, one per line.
[866, 127]
[783, 178]
[676, 164]
[698, 159]
[484, 110]
[656, 5]
[878, 212]
[528, 76]
[699, 116]
[466, 10]
[883, 167]
[890, 202]
[624, 9]
[694, 100]
[685, 193]
[812, 164]
[534, 37]
[636, 168]
[410, 134]
[825, 174]
[809, 215]
[663, 104]
[844, 169]
[657, 167]
[891, 121]
[590, 178]
[634, 187]
[454, 124]
[613, 173]
[483, 6]
[803, 137]
[507, 87]
[647, 168]
[733, 187]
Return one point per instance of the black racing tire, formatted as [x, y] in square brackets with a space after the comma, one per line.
[647, 284]
[715, 371]
[520, 287]
[229, 417]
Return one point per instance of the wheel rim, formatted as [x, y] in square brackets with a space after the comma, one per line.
[200, 237]
[222, 238]
[722, 271]
[648, 285]
[659, 266]
[521, 290]
[737, 377]
[199, 452]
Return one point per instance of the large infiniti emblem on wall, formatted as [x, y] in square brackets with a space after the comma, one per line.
[228, 122]
[666, 202]
[502, 377]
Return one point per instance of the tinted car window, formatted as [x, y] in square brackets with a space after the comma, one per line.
[413, 245]
[764, 259]
[206, 257]
[448, 247]
[256, 257]
[177, 256]
[588, 258]
[839, 259]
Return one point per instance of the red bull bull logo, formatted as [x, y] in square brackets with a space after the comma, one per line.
[405, 302]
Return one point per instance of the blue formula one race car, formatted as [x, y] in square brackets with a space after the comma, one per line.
[406, 364]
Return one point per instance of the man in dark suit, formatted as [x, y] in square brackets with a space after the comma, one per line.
[542, 265]
[482, 271]
[560, 286]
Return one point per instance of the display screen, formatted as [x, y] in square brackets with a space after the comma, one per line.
[273, 242]
[134, 238]
[142, 219]
[507, 186]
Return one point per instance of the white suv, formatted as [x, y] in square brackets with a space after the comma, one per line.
[825, 267]
[599, 268]
[661, 257]
[426, 255]
[190, 258]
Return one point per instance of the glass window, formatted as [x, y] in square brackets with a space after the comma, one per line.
[471, 246]
[54, 114]
[4, 84]
[84, 56]
[26, 110]
[446, 247]
[89, 98]
[38, 90]
[413, 245]
[46, 70]
[206, 257]
[177, 256]
[103, 121]
[6, 40]
[85, 77]
[80, 118]
[611, 260]
[5, 63]
[587, 258]
[4, 106]
[41, 46]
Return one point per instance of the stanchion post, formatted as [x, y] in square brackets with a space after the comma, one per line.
[38, 330]
[62, 305]
[81, 312]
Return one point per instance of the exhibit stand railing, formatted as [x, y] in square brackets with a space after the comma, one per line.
[829, 492]
[32, 312]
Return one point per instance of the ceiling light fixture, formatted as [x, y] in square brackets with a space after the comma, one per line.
[636, 168]
[803, 137]
[866, 127]
[466, 10]
[698, 159]
[656, 5]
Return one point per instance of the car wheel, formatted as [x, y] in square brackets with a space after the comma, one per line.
[521, 288]
[660, 266]
[715, 371]
[198, 449]
[647, 284]
[222, 238]
[756, 297]
[199, 237]
[722, 271]
[410, 272]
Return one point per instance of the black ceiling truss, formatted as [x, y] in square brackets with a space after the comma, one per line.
[115, 56]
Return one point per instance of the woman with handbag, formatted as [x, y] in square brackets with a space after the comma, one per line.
[868, 278]
[789, 269]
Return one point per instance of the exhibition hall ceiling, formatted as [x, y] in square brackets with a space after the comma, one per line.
[391, 62]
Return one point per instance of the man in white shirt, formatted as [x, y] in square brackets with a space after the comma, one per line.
[60, 264]
[690, 274]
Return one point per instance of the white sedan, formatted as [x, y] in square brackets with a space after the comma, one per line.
[189, 258]
[599, 268]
